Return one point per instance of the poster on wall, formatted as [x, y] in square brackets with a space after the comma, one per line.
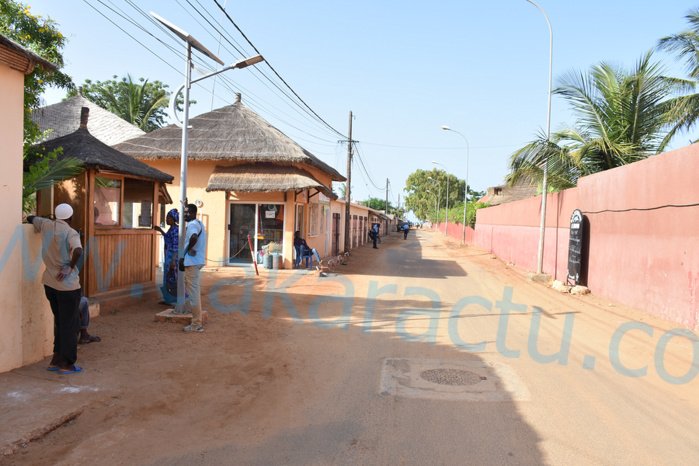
[575, 246]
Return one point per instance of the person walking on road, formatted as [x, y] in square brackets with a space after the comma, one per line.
[406, 227]
[375, 234]
[194, 260]
[61, 251]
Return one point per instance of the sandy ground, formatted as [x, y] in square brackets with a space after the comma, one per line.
[164, 394]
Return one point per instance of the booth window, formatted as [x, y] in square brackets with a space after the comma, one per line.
[107, 201]
[138, 203]
[132, 210]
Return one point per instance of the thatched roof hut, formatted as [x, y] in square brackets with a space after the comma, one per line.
[63, 119]
[95, 154]
[229, 134]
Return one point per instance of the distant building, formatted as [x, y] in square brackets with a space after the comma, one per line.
[504, 194]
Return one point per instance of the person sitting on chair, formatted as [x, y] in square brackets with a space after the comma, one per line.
[301, 243]
[84, 309]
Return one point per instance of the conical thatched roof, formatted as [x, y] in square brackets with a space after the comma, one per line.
[64, 118]
[264, 177]
[96, 154]
[233, 133]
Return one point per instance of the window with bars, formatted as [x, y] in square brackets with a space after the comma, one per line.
[314, 227]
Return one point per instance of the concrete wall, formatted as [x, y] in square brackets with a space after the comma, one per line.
[641, 245]
[26, 336]
[455, 231]
[37, 319]
[11, 135]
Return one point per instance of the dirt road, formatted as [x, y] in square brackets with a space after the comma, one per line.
[420, 352]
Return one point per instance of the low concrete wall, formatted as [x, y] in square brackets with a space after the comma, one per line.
[28, 338]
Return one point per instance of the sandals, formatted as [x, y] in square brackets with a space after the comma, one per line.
[89, 339]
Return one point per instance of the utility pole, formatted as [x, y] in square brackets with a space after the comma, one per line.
[348, 186]
[386, 196]
[386, 200]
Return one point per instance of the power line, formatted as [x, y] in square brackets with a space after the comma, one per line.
[257, 70]
[275, 71]
[438, 148]
[361, 161]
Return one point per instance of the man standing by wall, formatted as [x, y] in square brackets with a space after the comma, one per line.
[61, 252]
[194, 261]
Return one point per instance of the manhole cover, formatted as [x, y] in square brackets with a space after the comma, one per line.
[451, 377]
[456, 380]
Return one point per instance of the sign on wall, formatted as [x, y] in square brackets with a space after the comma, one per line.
[575, 246]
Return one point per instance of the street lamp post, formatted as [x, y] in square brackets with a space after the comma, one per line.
[191, 43]
[439, 196]
[463, 231]
[446, 213]
[544, 183]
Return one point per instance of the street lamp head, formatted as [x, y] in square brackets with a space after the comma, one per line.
[446, 128]
[247, 62]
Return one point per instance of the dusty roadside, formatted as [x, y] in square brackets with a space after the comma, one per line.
[150, 391]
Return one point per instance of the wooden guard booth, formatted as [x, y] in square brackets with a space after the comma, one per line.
[115, 205]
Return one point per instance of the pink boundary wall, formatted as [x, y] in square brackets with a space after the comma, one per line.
[643, 234]
[456, 232]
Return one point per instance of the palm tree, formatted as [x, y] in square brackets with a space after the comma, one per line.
[135, 103]
[45, 172]
[685, 46]
[140, 103]
[622, 118]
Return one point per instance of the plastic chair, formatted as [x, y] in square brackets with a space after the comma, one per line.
[303, 253]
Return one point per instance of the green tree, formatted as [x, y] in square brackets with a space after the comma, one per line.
[685, 46]
[427, 205]
[42, 37]
[623, 117]
[141, 103]
[378, 204]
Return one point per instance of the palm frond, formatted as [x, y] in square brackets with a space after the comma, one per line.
[57, 172]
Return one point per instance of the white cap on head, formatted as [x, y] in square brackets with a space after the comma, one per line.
[63, 211]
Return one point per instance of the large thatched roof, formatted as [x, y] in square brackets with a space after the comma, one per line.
[264, 177]
[233, 133]
[96, 154]
[64, 118]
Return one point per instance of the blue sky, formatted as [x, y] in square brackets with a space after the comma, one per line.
[404, 68]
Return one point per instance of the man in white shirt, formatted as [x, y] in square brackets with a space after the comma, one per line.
[194, 261]
[61, 251]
